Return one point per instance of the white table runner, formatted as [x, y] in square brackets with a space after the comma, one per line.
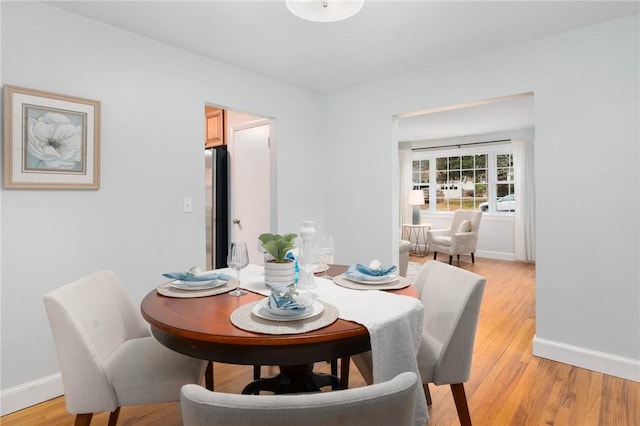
[394, 323]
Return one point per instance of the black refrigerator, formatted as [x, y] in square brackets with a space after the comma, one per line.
[217, 205]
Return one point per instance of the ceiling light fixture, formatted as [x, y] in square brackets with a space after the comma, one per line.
[324, 10]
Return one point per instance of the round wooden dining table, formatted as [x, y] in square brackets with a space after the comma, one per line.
[200, 327]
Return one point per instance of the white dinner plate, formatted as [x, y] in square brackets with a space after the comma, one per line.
[197, 285]
[383, 279]
[261, 310]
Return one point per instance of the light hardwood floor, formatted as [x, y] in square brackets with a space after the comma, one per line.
[508, 385]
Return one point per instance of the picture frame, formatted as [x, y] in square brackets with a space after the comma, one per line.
[51, 141]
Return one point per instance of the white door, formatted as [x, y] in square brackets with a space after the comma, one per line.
[250, 185]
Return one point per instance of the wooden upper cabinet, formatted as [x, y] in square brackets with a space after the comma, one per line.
[215, 120]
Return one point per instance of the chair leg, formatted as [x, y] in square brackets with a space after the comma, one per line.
[473, 260]
[450, 259]
[83, 419]
[344, 372]
[113, 417]
[460, 399]
[435, 255]
[257, 372]
[427, 394]
[208, 376]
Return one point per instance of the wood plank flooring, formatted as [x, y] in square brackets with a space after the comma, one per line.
[508, 385]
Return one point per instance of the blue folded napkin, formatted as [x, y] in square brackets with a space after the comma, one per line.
[191, 277]
[356, 274]
[364, 269]
[283, 298]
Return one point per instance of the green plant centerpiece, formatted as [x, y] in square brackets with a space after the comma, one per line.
[277, 245]
[277, 268]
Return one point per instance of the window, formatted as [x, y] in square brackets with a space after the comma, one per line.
[466, 180]
[421, 179]
[504, 173]
[461, 182]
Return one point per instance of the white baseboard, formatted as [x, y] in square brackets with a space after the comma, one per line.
[496, 255]
[31, 393]
[613, 365]
[480, 253]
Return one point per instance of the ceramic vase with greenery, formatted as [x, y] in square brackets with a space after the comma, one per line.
[277, 268]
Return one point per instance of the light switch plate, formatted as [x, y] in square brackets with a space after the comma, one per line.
[187, 206]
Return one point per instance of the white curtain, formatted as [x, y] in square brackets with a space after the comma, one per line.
[524, 225]
[406, 164]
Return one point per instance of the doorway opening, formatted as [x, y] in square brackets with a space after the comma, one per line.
[238, 182]
[455, 155]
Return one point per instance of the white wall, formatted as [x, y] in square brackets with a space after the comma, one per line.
[585, 85]
[153, 97]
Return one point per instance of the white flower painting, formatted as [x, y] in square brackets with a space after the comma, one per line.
[53, 141]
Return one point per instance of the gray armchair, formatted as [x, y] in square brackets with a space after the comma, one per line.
[383, 404]
[451, 298]
[460, 238]
[107, 356]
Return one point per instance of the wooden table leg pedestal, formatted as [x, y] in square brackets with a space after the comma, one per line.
[293, 379]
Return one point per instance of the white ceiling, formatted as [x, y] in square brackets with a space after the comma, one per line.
[386, 38]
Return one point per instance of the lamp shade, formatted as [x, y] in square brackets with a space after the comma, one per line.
[416, 197]
[324, 10]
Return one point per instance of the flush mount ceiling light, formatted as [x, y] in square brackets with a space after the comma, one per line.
[324, 10]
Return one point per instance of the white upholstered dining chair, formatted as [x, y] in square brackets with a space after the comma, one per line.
[383, 404]
[461, 237]
[107, 357]
[451, 298]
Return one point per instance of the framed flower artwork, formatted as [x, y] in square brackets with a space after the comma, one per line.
[51, 141]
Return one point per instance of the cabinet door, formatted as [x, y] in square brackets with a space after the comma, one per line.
[215, 127]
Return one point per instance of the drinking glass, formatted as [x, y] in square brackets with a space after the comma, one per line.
[237, 259]
[263, 253]
[325, 249]
[308, 261]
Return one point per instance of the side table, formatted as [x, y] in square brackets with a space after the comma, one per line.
[416, 232]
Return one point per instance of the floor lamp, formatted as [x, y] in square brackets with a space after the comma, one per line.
[416, 199]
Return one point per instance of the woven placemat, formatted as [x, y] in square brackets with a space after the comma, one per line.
[168, 290]
[401, 282]
[243, 318]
